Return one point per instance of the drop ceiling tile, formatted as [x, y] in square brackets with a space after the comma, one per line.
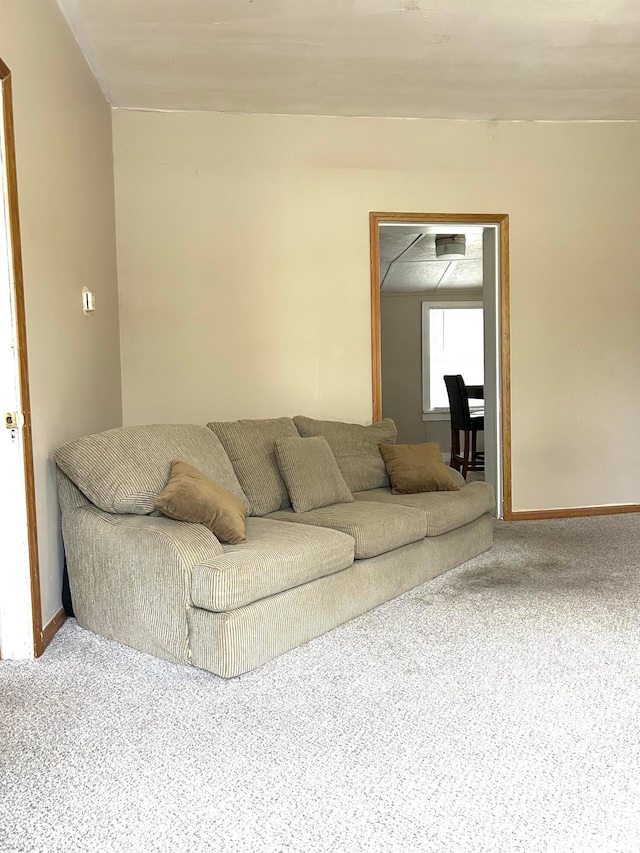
[423, 250]
[463, 274]
[394, 243]
[403, 277]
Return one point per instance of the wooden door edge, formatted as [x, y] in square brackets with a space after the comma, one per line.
[23, 365]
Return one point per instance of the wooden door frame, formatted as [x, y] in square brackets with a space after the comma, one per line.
[502, 220]
[39, 641]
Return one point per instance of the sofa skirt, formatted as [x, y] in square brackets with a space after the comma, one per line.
[237, 641]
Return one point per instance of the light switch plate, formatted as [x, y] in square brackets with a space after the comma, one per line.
[88, 301]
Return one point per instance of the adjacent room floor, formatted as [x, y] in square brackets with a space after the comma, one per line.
[493, 709]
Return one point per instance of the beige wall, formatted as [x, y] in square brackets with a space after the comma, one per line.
[243, 247]
[65, 186]
[401, 347]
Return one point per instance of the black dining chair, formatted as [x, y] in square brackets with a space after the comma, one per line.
[462, 420]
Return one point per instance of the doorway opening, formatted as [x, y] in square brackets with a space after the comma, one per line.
[438, 309]
[21, 634]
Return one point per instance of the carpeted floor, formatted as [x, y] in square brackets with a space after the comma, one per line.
[496, 708]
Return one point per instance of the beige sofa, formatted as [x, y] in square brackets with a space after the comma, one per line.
[171, 589]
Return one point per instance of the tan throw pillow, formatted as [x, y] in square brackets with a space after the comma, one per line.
[311, 473]
[417, 468]
[190, 496]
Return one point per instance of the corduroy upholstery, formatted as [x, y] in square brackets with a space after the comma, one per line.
[275, 557]
[355, 447]
[376, 528]
[311, 473]
[69, 495]
[251, 447]
[240, 640]
[443, 511]
[130, 576]
[124, 470]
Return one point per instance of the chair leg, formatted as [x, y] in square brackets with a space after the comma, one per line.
[454, 460]
[465, 459]
[477, 456]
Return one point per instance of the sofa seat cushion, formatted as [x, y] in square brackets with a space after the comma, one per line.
[443, 511]
[355, 447]
[375, 527]
[275, 557]
[251, 447]
[123, 470]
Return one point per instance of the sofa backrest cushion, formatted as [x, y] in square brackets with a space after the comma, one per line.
[355, 448]
[251, 447]
[123, 470]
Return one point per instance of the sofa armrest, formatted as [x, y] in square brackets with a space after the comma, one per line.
[457, 477]
[130, 576]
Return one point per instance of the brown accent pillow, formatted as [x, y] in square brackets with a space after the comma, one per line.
[417, 468]
[190, 496]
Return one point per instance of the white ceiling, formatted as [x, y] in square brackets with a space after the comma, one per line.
[408, 262]
[473, 59]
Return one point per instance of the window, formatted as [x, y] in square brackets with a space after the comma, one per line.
[452, 342]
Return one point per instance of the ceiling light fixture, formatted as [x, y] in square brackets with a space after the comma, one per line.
[451, 247]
